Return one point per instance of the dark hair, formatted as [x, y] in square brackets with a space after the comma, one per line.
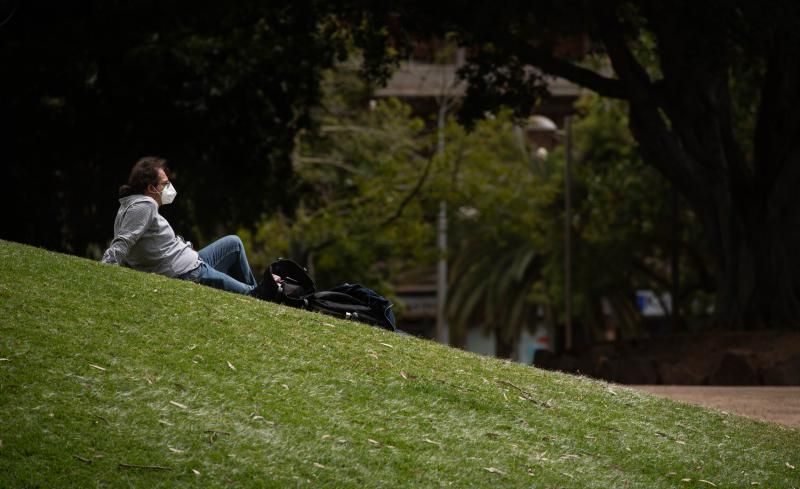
[143, 173]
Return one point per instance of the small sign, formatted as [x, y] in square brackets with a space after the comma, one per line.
[650, 305]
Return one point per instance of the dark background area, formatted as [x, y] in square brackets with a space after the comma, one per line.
[88, 87]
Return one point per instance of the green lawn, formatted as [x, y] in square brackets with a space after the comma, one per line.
[114, 378]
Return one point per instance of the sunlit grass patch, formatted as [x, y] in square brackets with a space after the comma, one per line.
[110, 377]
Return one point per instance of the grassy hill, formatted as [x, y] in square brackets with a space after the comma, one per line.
[114, 378]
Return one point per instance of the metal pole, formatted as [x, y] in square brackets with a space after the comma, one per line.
[442, 330]
[675, 271]
[568, 235]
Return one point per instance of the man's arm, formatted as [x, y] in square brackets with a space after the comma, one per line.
[134, 222]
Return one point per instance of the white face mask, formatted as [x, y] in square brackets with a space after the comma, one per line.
[168, 194]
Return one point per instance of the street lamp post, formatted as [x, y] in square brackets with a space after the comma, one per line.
[442, 329]
[541, 124]
[568, 234]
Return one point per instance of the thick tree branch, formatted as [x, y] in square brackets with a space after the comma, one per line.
[607, 87]
[659, 146]
[694, 57]
[632, 75]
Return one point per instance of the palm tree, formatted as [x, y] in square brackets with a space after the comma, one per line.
[491, 284]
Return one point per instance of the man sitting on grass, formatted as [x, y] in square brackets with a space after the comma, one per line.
[144, 240]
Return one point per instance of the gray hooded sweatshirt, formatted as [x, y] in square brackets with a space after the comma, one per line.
[145, 241]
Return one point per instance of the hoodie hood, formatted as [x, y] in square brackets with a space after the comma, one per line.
[132, 199]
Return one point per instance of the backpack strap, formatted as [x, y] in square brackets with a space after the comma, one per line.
[352, 301]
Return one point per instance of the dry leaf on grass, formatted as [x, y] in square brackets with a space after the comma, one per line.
[230, 366]
[177, 404]
[524, 395]
[707, 482]
[428, 440]
[98, 367]
[195, 472]
[790, 465]
[318, 465]
[144, 467]
[494, 470]
[387, 345]
[175, 450]
[214, 434]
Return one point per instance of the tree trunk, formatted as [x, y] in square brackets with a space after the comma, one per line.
[503, 348]
[757, 268]
[749, 210]
[752, 220]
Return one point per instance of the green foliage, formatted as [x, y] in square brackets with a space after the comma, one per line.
[508, 255]
[115, 378]
[371, 195]
[499, 239]
[711, 90]
[625, 223]
[362, 217]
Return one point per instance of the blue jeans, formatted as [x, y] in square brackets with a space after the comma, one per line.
[224, 266]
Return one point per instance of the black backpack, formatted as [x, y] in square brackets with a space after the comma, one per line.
[354, 302]
[296, 288]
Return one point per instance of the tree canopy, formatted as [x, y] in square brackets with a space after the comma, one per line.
[712, 96]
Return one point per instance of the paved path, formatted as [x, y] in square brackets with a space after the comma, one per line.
[777, 404]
